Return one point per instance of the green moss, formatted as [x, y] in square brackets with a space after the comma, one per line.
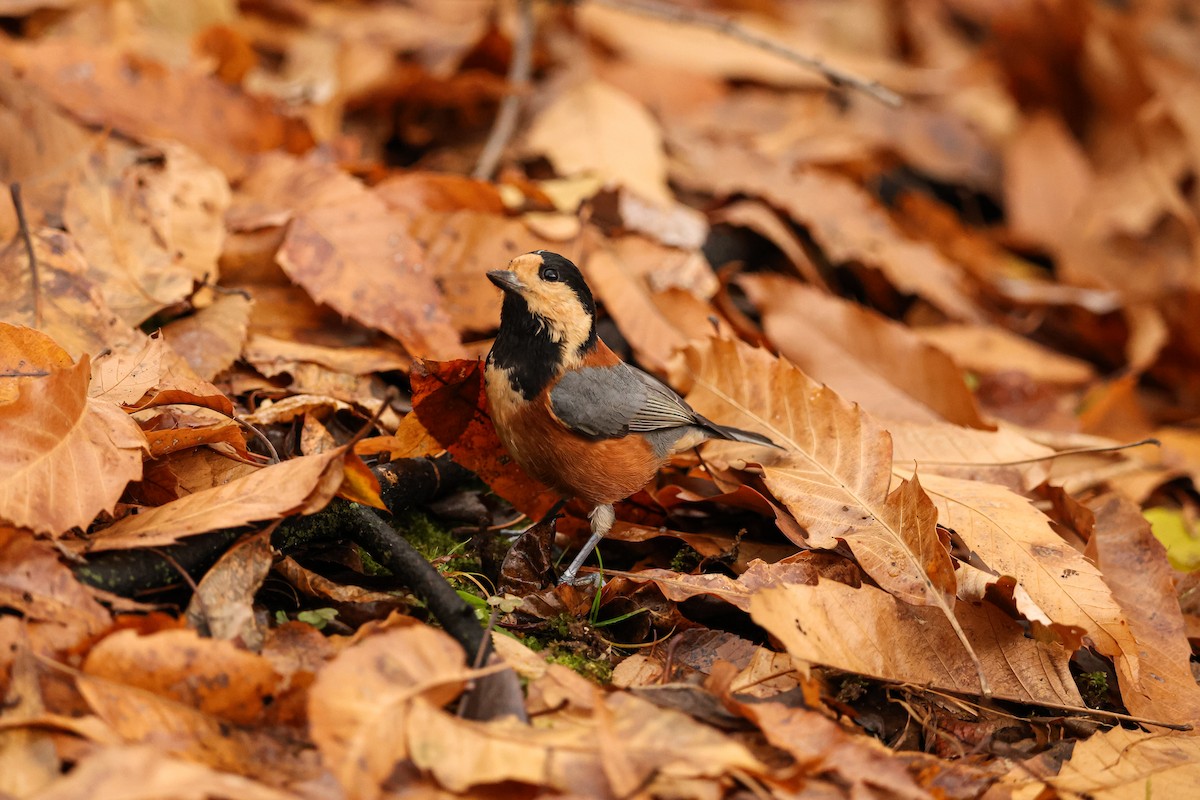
[686, 559]
[1093, 686]
[597, 670]
[370, 565]
[440, 547]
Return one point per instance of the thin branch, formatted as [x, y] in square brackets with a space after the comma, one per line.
[518, 83]
[727, 27]
[23, 224]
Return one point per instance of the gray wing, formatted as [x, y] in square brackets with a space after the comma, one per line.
[606, 402]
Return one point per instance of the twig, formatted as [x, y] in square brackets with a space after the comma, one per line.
[23, 225]
[518, 82]
[688, 16]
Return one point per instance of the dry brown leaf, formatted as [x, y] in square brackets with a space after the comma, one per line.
[1047, 177]
[42, 149]
[628, 299]
[302, 485]
[66, 457]
[850, 226]
[213, 676]
[1013, 538]
[943, 449]
[594, 128]
[73, 309]
[863, 356]
[211, 339]
[629, 743]
[991, 350]
[108, 774]
[650, 42]
[1126, 764]
[1136, 566]
[823, 746]
[223, 605]
[148, 101]
[149, 229]
[138, 715]
[361, 702]
[272, 356]
[678, 587]
[461, 246]
[835, 471]
[149, 373]
[349, 251]
[865, 630]
[59, 611]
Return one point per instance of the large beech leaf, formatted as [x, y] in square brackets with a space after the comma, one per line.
[864, 630]
[1014, 539]
[834, 472]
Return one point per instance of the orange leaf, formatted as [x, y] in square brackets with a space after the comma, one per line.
[450, 400]
[64, 457]
[301, 485]
[359, 484]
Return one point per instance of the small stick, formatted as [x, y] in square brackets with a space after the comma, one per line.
[518, 81]
[837, 77]
[23, 225]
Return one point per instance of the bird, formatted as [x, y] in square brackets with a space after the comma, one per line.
[569, 410]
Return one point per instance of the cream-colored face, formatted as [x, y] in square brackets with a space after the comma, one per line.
[566, 319]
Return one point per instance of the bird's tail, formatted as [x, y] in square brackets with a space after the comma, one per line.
[738, 435]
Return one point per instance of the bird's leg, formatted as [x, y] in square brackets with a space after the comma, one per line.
[602, 518]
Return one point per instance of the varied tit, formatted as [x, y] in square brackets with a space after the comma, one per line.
[573, 414]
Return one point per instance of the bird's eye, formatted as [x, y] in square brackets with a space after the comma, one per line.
[550, 274]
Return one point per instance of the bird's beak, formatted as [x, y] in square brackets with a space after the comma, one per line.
[507, 280]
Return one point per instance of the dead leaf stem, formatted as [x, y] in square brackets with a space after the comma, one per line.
[518, 82]
[23, 225]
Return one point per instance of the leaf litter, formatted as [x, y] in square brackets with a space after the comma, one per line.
[251, 253]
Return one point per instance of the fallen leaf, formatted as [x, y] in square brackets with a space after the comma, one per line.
[835, 471]
[149, 373]
[1013, 538]
[66, 456]
[149, 229]
[994, 349]
[223, 604]
[108, 774]
[73, 309]
[361, 703]
[863, 356]
[628, 741]
[1001, 456]
[1119, 763]
[823, 747]
[302, 485]
[349, 251]
[211, 339]
[1135, 565]
[59, 612]
[1046, 179]
[594, 128]
[865, 630]
[213, 676]
[148, 101]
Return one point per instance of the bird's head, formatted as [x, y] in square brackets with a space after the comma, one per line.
[546, 295]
